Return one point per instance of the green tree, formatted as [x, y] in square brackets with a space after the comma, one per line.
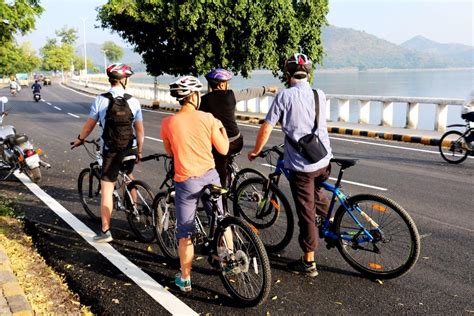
[55, 56]
[78, 62]
[16, 16]
[113, 52]
[182, 37]
[67, 36]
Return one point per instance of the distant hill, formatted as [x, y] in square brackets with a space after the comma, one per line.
[346, 47]
[94, 53]
[349, 48]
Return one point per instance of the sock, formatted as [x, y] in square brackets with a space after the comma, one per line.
[106, 231]
[184, 280]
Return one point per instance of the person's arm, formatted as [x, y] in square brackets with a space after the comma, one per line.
[262, 138]
[164, 137]
[86, 130]
[140, 134]
[219, 138]
[168, 149]
[252, 93]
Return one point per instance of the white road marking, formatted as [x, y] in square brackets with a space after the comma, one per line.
[59, 109]
[143, 280]
[74, 115]
[89, 96]
[155, 139]
[155, 111]
[345, 181]
[48, 103]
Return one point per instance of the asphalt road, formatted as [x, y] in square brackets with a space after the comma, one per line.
[438, 196]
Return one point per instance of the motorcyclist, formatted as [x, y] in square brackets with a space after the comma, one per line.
[36, 87]
[14, 87]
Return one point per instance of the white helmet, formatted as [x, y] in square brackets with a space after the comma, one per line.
[184, 87]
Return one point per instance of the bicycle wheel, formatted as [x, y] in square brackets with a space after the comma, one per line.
[272, 217]
[140, 217]
[244, 264]
[243, 175]
[396, 245]
[88, 186]
[165, 217]
[453, 147]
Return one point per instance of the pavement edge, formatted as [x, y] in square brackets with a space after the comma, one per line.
[12, 296]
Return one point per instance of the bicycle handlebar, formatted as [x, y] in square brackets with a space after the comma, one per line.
[155, 157]
[275, 149]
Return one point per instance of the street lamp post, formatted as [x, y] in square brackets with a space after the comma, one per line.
[105, 60]
[85, 50]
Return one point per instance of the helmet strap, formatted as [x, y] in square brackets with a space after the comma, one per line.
[124, 85]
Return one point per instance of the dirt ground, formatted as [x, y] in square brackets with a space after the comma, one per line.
[46, 291]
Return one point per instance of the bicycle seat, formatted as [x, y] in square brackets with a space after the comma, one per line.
[344, 162]
[129, 157]
[216, 190]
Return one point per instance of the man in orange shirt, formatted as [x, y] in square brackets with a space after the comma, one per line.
[189, 137]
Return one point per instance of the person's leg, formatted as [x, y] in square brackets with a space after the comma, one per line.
[321, 200]
[186, 199]
[221, 167]
[106, 203]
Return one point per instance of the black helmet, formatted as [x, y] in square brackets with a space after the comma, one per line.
[298, 66]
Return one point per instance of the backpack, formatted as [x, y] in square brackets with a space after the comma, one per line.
[118, 130]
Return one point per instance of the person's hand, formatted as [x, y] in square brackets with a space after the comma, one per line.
[273, 89]
[252, 154]
[76, 142]
[139, 158]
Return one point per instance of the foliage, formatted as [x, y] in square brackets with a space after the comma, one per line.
[113, 52]
[182, 37]
[67, 36]
[17, 16]
[78, 63]
[57, 56]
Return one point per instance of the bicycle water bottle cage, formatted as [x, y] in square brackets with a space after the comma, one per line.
[344, 163]
[215, 190]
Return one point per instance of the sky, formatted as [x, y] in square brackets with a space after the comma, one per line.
[445, 21]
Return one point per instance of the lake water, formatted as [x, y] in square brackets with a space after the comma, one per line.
[454, 84]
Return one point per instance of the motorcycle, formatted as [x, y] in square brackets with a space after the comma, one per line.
[36, 96]
[17, 152]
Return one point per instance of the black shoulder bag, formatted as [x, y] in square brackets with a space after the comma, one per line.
[310, 146]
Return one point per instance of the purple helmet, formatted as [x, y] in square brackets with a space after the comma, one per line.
[219, 75]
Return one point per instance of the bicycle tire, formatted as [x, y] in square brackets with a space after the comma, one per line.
[252, 263]
[243, 175]
[383, 211]
[457, 150]
[274, 231]
[142, 224]
[165, 226]
[90, 204]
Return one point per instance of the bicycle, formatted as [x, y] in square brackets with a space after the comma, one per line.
[453, 145]
[374, 234]
[232, 245]
[134, 197]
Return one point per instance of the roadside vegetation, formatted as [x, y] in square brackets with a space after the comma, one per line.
[46, 291]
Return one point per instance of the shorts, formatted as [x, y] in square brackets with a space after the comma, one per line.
[112, 163]
[187, 197]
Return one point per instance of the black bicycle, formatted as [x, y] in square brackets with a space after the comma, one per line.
[232, 245]
[134, 197]
[453, 145]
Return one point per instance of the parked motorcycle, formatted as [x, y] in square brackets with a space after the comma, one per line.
[17, 152]
[36, 97]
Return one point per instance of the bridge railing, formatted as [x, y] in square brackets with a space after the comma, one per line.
[361, 109]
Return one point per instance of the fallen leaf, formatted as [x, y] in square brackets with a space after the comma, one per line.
[277, 281]
[149, 249]
[115, 301]
[198, 258]
[274, 298]
[425, 258]
[128, 284]
[379, 281]
[68, 266]
[338, 303]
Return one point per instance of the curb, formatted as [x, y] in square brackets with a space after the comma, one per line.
[13, 300]
[256, 120]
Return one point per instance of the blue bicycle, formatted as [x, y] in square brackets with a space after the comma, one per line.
[374, 234]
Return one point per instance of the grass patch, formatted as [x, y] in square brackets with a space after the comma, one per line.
[6, 208]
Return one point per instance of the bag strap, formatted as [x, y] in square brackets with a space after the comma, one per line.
[316, 105]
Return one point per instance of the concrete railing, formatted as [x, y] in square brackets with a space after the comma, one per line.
[366, 109]
[390, 106]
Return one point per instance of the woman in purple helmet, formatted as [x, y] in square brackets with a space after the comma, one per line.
[221, 102]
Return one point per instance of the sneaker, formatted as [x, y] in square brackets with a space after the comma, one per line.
[103, 237]
[184, 285]
[302, 267]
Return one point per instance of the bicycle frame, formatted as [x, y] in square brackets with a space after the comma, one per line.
[280, 169]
